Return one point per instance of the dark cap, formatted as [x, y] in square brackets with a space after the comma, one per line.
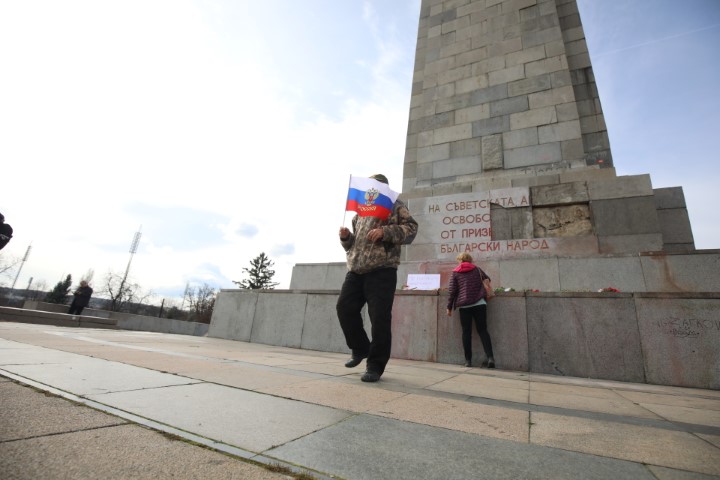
[380, 178]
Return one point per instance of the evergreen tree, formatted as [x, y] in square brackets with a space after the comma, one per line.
[60, 291]
[259, 273]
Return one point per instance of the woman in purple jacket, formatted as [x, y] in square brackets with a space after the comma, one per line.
[467, 293]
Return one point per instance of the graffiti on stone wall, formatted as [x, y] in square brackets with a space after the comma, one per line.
[687, 327]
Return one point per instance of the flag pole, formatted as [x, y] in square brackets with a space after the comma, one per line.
[345, 209]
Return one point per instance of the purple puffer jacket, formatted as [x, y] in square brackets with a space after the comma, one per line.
[466, 286]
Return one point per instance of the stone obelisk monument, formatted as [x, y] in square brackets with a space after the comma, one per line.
[508, 158]
[508, 155]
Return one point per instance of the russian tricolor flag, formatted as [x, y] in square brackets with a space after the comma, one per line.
[370, 198]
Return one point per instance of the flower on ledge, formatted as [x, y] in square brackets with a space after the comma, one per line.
[609, 289]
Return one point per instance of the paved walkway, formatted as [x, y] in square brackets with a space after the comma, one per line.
[305, 411]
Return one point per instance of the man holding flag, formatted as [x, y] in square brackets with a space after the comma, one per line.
[381, 225]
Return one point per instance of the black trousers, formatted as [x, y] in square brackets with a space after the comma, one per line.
[75, 309]
[377, 289]
[479, 314]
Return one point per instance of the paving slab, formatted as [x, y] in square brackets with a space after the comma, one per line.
[120, 452]
[699, 400]
[366, 447]
[249, 420]
[663, 473]
[486, 387]
[616, 405]
[350, 396]
[479, 419]
[655, 446]
[247, 376]
[712, 439]
[695, 416]
[83, 375]
[56, 414]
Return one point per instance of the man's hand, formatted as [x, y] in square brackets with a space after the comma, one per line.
[344, 233]
[376, 234]
[449, 312]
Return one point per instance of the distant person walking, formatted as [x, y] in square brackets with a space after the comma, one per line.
[467, 294]
[373, 255]
[6, 232]
[81, 298]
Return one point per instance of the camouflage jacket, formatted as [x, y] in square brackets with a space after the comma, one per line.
[364, 256]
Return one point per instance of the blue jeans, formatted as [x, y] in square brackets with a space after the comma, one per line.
[377, 289]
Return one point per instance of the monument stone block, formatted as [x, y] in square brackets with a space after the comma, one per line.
[522, 57]
[233, 315]
[508, 106]
[530, 274]
[529, 85]
[587, 174]
[567, 112]
[521, 222]
[572, 150]
[466, 148]
[533, 118]
[490, 126]
[575, 192]
[501, 223]
[675, 226]
[621, 187]
[672, 197]
[625, 216]
[536, 181]
[490, 94]
[559, 132]
[552, 97]
[520, 138]
[569, 337]
[456, 166]
[283, 320]
[690, 329]
[471, 114]
[591, 274]
[649, 242]
[682, 272]
[492, 152]
[321, 314]
[414, 327]
[547, 153]
[561, 221]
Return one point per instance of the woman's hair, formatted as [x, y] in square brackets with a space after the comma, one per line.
[464, 257]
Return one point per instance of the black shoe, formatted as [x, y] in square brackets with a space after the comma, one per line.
[370, 376]
[355, 361]
[468, 363]
[484, 363]
[491, 362]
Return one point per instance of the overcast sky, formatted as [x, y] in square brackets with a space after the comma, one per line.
[223, 129]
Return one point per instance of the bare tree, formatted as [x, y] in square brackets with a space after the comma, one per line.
[122, 291]
[7, 266]
[39, 290]
[88, 275]
[202, 302]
